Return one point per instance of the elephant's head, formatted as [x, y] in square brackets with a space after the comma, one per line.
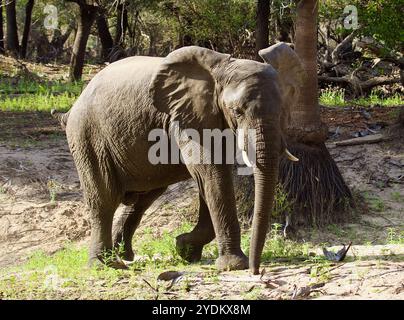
[202, 88]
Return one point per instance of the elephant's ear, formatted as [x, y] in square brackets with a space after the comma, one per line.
[291, 75]
[184, 86]
[286, 62]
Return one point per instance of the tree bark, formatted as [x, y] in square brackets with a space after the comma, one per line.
[105, 36]
[12, 29]
[375, 138]
[86, 19]
[1, 28]
[306, 114]
[27, 28]
[59, 39]
[121, 24]
[262, 27]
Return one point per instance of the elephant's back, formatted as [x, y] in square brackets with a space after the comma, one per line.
[119, 81]
[120, 90]
[116, 106]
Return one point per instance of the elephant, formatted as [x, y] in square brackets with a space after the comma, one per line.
[107, 131]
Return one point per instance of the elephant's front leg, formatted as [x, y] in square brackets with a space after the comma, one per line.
[190, 245]
[216, 187]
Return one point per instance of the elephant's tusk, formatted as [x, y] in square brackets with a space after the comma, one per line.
[246, 160]
[290, 156]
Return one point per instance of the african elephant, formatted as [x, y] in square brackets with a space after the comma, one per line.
[108, 126]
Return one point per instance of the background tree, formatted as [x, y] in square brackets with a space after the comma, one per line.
[314, 184]
[1, 28]
[87, 16]
[107, 42]
[262, 29]
[27, 27]
[12, 29]
[121, 23]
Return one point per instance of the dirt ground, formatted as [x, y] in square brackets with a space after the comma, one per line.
[41, 208]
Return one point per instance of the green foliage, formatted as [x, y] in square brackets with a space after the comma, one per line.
[383, 20]
[320, 272]
[281, 203]
[53, 187]
[395, 236]
[333, 97]
[220, 25]
[375, 18]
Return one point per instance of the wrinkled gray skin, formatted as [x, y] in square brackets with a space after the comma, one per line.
[108, 127]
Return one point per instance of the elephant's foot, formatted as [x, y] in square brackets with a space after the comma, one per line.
[126, 252]
[187, 249]
[232, 262]
[127, 255]
[100, 262]
[123, 247]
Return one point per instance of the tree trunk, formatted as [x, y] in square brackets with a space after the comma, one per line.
[59, 39]
[262, 28]
[86, 19]
[1, 28]
[315, 187]
[27, 28]
[12, 30]
[152, 46]
[121, 25]
[306, 114]
[105, 36]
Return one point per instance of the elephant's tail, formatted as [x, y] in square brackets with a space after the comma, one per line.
[62, 117]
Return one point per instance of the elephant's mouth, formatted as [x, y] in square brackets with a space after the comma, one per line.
[247, 146]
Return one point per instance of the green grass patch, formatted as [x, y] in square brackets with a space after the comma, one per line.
[336, 97]
[38, 102]
[278, 247]
[45, 275]
[395, 236]
[397, 196]
[333, 97]
[28, 95]
[65, 274]
[25, 86]
[375, 203]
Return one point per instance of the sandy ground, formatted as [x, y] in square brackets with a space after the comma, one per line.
[41, 208]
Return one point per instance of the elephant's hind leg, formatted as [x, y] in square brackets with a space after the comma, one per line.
[190, 245]
[102, 197]
[128, 222]
[102, 213]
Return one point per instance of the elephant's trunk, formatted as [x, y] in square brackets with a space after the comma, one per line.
[265, 177]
